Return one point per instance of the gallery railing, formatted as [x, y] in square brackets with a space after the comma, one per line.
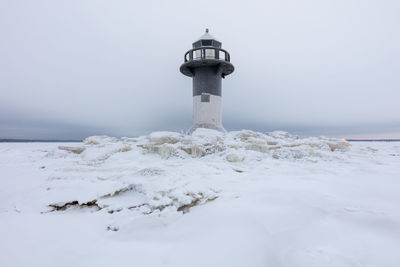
[207, 53]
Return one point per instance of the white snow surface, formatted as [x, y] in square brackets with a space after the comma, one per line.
[207, 199]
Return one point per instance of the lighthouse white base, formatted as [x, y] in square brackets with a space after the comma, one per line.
[207, 112]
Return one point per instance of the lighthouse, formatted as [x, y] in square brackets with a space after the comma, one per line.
[207, 63]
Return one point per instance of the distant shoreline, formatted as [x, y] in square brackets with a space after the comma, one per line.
[372, 139]
[37, 141]
[79, 141]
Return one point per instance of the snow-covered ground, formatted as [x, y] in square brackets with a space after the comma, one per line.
[207, 199]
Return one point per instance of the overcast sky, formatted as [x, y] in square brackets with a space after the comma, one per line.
[69, 69]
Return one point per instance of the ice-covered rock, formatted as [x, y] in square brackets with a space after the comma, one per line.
[96, 140]
[167, 151]
[130, 184]
[203, 142]
[76, 150]
[160, 138]
[234, 157]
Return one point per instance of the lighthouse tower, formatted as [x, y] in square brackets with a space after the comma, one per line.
[207, 63]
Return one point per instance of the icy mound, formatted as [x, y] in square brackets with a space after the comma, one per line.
[168, 169]
[232, 146]
[235, 145]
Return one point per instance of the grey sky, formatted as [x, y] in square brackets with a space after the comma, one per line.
[69, 69]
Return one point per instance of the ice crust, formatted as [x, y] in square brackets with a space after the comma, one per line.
[89, 180]
[278, 144]
[240, 198]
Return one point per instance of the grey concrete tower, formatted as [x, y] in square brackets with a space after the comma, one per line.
[207, 63]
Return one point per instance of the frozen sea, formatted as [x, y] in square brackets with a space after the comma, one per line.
[208, 199]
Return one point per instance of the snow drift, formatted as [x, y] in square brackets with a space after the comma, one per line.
[207, 199]
[104, 172]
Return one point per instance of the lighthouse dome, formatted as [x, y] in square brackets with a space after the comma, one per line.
[207, 36]
[207, 40]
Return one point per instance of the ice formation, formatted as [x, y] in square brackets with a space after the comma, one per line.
[208, 199]
[104, 172]
[233, 145]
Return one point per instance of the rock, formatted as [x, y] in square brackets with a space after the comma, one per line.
[160, 138]
[167, 151]
[198, 151]
[76, 150]
[96, 140]
[125, 149]
[257, 147]
[245, 135]
[234, 158]
[341, 146]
